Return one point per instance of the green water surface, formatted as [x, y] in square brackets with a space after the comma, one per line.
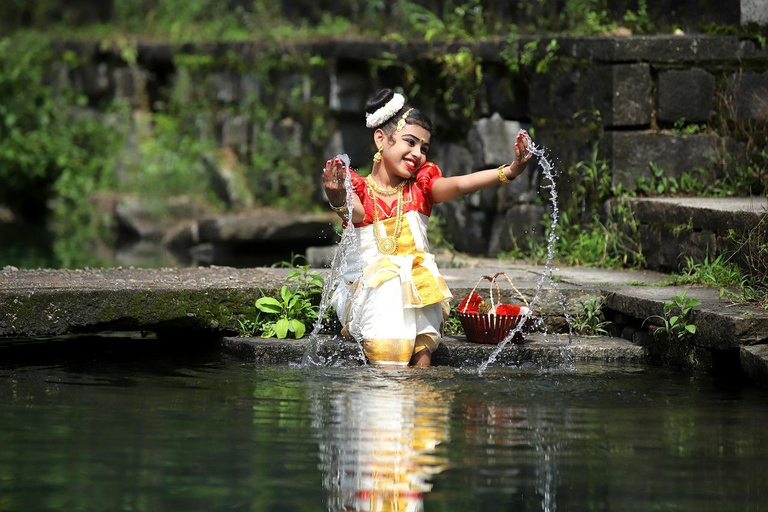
[184, 428]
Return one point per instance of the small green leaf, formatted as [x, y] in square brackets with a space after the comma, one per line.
[269, 305]
[691, 329]
[298, 328]
[281, 328]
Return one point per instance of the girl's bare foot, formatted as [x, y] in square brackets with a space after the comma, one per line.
[421, 359]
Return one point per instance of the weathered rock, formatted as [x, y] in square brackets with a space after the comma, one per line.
[747, 95]
[491, 141]
[685, 94]
[754, 11]
[463, 226]
[454, 160]
[234, 133]
[754, 362]
[268, 226]
[512, 228]
[225, 87]
[140, 220]
[228, 182]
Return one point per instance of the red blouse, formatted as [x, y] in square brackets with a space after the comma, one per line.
[417, 194]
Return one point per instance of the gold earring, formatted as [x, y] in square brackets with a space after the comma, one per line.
[377, 155]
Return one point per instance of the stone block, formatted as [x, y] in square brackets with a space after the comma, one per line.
[747, 93]
[234, 133]
[630, 154]
[754, 11]
[226, 86]
[491, 141]
[562, 95]
[631, 96]
[621, 93]
[453, 159]
[513, 228]
[250, 88]
[95, 81]
[131, 86]
[349, 90]
[685, 94]
[288, 134]
[351, 137]
[464, 226]
[754, 362]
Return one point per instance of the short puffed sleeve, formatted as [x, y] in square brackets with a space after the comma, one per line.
[425, 178]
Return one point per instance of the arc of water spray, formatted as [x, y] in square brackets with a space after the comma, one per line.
[548, 170]
[311, 356]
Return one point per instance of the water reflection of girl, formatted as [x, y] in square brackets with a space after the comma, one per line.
[398, 302]
[377, 443]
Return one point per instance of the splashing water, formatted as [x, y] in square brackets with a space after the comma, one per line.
[348, 241]
[548, 169]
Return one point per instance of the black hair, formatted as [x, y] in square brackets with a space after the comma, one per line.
[416, 116]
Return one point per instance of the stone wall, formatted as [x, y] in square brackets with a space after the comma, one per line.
[633, 96]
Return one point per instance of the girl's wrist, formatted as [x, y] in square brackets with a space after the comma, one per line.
[502, 175]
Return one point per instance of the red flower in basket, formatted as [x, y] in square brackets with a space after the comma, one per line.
[507, 309]
[471, 302]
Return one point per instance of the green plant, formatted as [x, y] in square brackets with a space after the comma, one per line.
[676, 321]
[530, 57]
[453, 324]
[309, 282]
[639, 20]
[660, 184]
[460, 77]
[463, 21]
[718, 272]
[590, 321]
[687, 129]
[292, 312]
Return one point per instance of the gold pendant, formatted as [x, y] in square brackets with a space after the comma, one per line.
[387, 245]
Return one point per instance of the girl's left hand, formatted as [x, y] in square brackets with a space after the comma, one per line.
[522, 155]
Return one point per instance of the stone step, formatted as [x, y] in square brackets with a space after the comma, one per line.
[453, 351]
[672, 229]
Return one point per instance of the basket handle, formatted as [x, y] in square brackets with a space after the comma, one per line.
[494, 281]
[510, 284]
[491, 279]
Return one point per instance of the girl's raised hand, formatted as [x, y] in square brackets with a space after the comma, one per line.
[522, 155]
[333, 181]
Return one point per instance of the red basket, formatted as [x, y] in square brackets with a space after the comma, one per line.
[490, 328]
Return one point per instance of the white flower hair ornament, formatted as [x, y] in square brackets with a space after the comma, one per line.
[386, 112]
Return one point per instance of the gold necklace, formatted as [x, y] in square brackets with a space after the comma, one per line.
[387, 244]
[384, 191]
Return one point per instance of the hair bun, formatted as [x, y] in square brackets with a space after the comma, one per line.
[382, 107]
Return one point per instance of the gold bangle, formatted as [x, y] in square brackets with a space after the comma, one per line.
[338, 209]
[503, 177]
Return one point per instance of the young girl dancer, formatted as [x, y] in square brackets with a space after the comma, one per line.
[391, 294]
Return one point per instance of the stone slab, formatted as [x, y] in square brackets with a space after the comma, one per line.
[721, 325]
[703, 213]
[453, 351]
[630, 154]
[57, 302]
[754, 362]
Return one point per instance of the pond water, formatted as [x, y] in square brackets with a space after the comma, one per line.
[140, 425]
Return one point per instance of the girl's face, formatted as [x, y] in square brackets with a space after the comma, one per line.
[405, 152]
